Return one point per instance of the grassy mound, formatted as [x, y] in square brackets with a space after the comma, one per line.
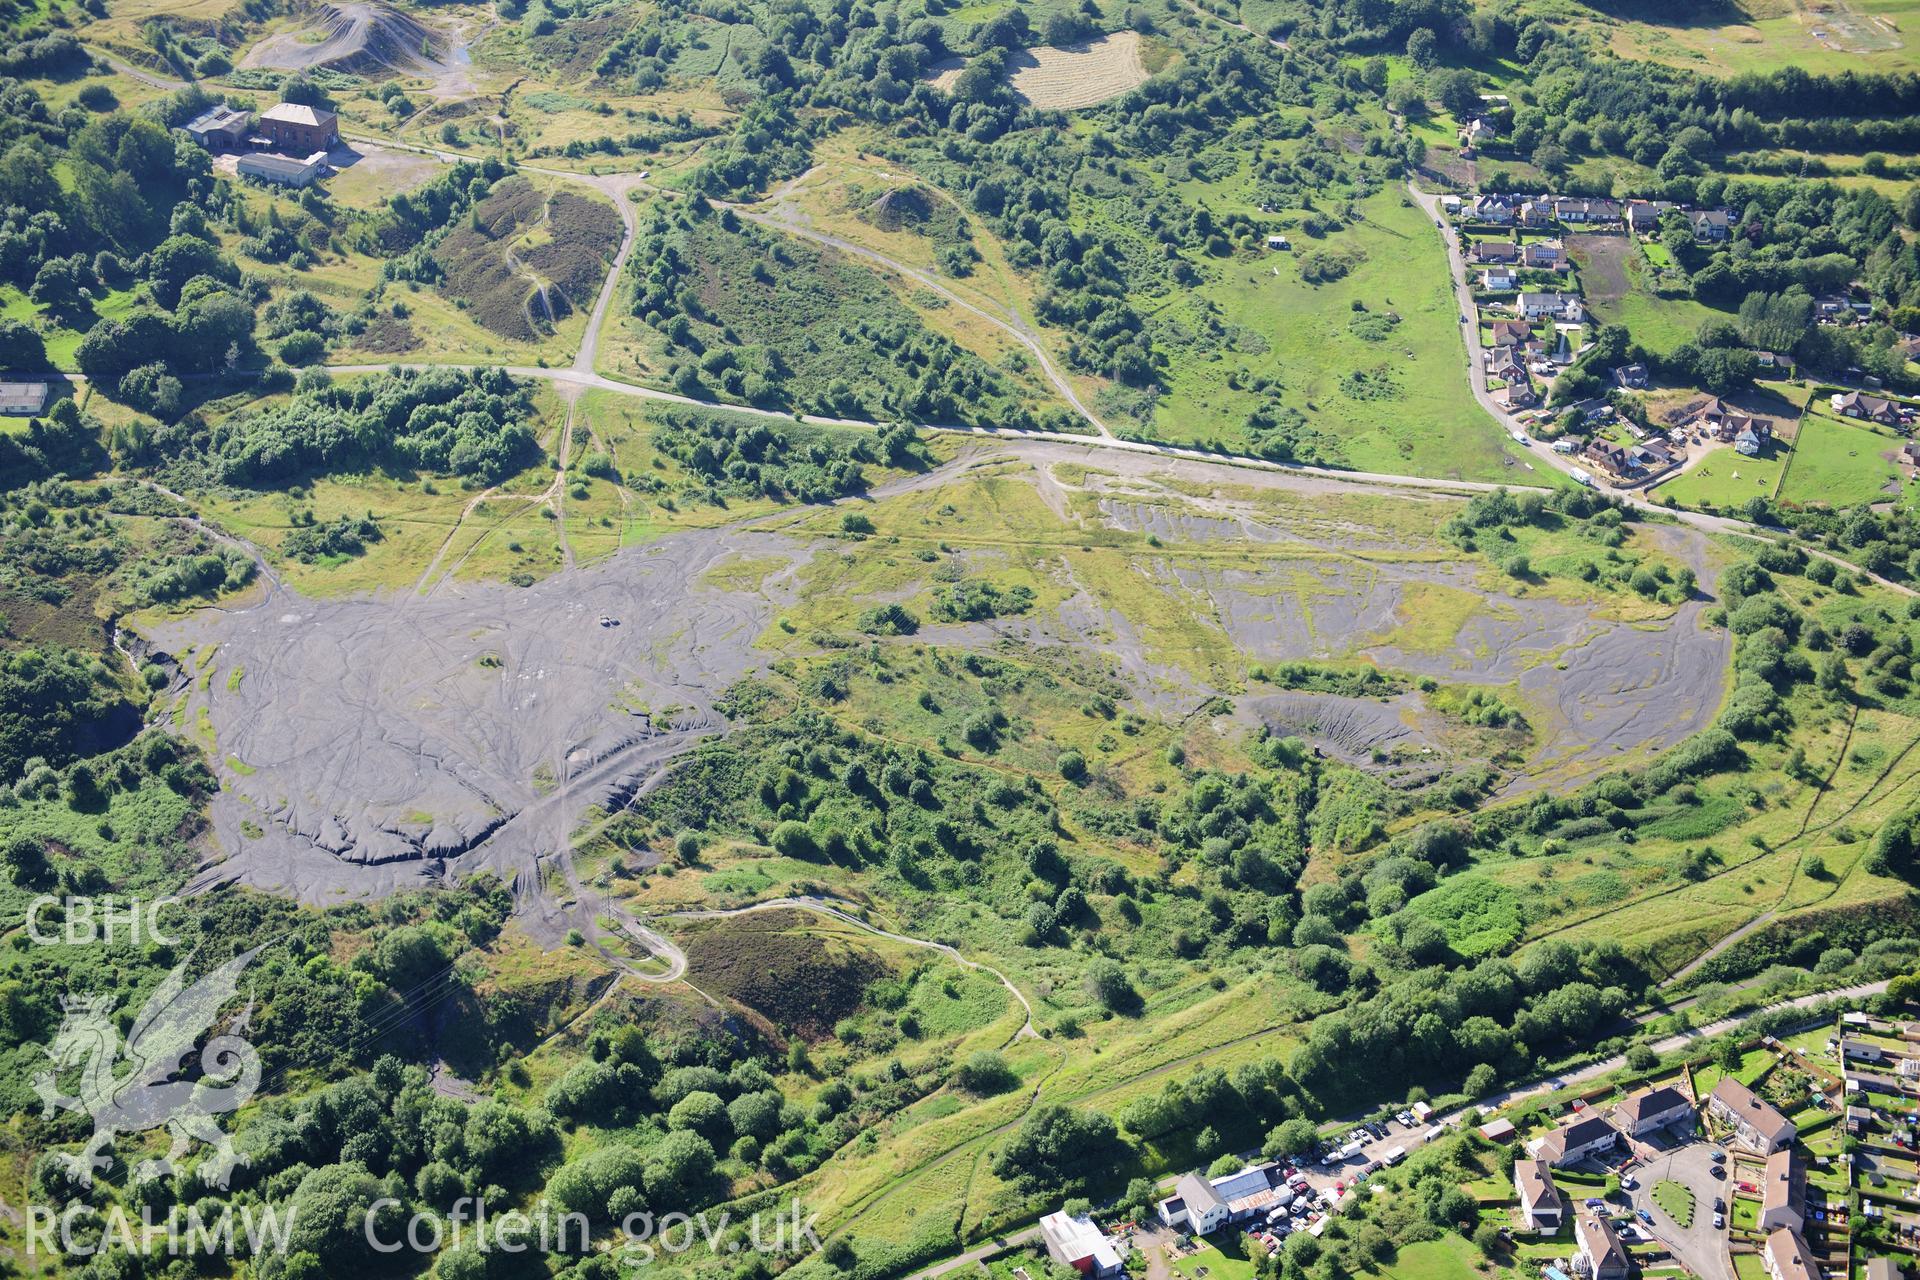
[794, 979]
[524, 261]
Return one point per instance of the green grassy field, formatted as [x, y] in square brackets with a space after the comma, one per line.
[1393, 400]
[1758, 35]
[1841, 463]
[1724, 479]
[1660, 324]
[62, 340]
[1451, 1257]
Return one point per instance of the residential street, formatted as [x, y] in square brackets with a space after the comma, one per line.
[1698, 1246]
[1541, 453]
[1594, 1070]
[1692, 1240]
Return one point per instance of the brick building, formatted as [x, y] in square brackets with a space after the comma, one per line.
[299, 130]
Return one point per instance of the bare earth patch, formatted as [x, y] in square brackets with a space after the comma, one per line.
[1066, 78]
[367, 176]
[1079, 75]
[355, 38]
[380, 743]
[1603, 265]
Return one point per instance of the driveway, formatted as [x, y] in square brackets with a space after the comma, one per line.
[1698, 1247]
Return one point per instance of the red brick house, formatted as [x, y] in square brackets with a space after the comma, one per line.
[300, 130]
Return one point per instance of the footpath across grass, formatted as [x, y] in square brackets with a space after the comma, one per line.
[1380, 388]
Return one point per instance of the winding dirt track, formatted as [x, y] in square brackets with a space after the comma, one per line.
[781, 217]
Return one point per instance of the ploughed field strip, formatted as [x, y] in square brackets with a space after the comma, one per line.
[372, 743]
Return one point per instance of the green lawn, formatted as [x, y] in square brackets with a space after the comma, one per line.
[1752, 1064]
[1725, 479]
[1840, 463]
[1675, 1200]
[1451, 1257]
[1212, 1264]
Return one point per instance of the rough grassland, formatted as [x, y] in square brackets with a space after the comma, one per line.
[1427, 423]
[838, 197]
[1660, 324]
[1757, 35]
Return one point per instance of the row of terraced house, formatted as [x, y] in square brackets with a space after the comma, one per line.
[1601, 1137]
[1642, 217]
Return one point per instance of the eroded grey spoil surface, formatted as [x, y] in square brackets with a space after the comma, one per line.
[381, 742]
[368, 745]
[1349, 729]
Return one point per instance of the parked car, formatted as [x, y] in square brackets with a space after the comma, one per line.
[1717, 1156]
[1719, 1222]
[1627, 1183]
[1719, 1205]
[1645, 1216]
[1719, 1171]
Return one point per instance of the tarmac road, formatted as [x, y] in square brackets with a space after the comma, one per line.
[1698, 1246]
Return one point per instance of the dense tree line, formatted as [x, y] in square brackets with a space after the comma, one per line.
[766, 458]
[55, 704]
[469, 423]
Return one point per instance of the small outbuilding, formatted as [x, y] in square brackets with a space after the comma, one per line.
[220, 128]
[283, 170]
[23, 397]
